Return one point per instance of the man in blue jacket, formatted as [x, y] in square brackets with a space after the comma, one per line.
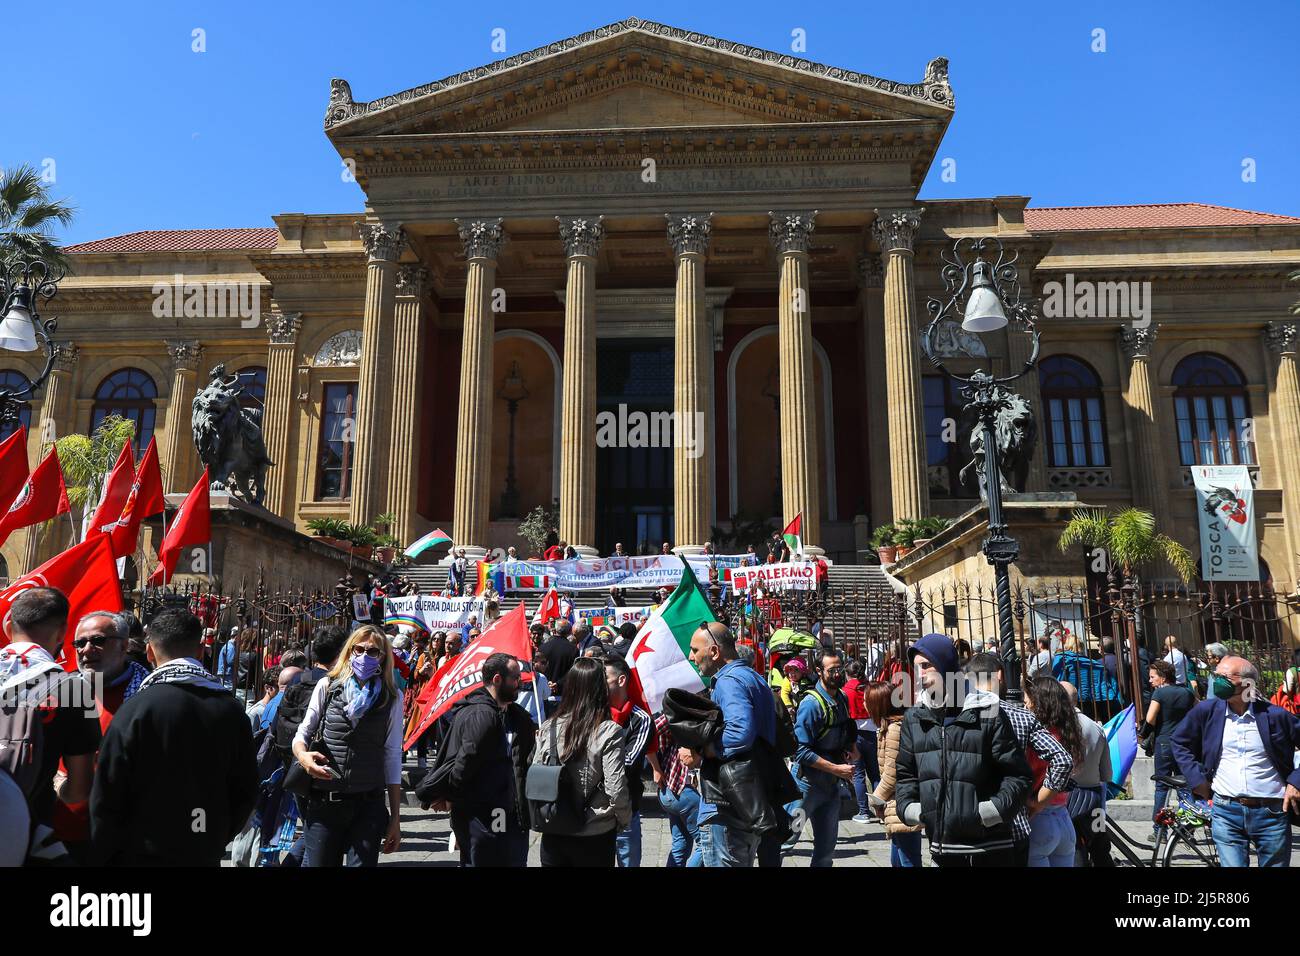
[1242, 749]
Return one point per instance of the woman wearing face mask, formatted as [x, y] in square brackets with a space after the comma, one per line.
[350, 743]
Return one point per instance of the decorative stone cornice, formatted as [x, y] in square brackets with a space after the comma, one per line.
[790, 231]
[896, 229]
[1137, 342]
[934, 89]
[185, 354]
[482, 238]
[1282, 337]
[689, 232]
[581, 235]
[65, 356]
[871, 271]
[383, 243]
[282, 327]
[412, 280]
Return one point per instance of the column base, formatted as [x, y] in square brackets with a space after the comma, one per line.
[813, 551]
[689, 550]
[586, 552]
[473, 552]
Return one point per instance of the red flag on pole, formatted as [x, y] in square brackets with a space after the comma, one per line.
[117, 487]
[86, 573]
[192, 524]
[13, 465]
[40, 498]
[144, 499]
[463, 674]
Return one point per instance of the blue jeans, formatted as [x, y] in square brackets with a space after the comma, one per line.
[905, 849]
[706, 853]
[1051, 838]
[681, 812]
[821, 808]
[866, 769]
[628, 843]
[1165, 765]
[352, 826]
[734, 848]
[1236, 829]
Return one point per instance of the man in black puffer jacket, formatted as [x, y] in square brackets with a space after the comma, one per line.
[961, 771]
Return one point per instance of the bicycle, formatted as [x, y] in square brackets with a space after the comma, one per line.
[1182, 834]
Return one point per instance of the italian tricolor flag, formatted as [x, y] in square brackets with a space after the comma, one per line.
[791, 535]
[661, 653]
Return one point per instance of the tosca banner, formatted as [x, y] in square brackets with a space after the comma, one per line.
[790, 576]
[1225, 497]
[594, 574]
[429, 612]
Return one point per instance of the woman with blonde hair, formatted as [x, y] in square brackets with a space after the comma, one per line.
[350, 743]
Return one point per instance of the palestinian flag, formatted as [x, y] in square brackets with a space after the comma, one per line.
[791, 535]
[661, 653]
[433, 539]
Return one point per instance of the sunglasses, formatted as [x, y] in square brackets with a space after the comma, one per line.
[368, 651]
[99, 640]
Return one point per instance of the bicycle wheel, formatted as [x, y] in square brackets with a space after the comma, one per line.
[1193, 847]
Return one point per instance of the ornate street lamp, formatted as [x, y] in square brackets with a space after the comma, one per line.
[982, 291]
[513, 391]
[23, 283]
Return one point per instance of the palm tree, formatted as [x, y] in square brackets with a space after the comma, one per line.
[1129, 539]
[87, 459]
[26, 214]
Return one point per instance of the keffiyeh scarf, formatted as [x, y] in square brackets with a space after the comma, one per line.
[183, 670]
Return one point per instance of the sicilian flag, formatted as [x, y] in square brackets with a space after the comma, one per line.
[791, 535]
[660, 655]
[433, 539]
[1121, 732]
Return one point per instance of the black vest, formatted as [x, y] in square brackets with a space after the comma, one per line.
[355, 748]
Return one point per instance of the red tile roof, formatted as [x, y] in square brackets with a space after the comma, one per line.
[182, 240]
[1154, 216]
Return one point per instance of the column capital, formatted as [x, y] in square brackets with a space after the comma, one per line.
[581, 235]
[1137, 342]
[790, 231]
[871, 271]
[482, 238]
[1282, 337]
[384, 243]
[689, 232]
[185, 354]
[412, 280]
[282, 327]
[65, 356]
[896, 229]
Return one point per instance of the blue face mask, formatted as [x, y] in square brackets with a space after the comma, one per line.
[364, 666]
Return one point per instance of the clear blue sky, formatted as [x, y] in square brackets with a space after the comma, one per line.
[146, 134]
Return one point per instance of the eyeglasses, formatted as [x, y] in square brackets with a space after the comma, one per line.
[99, 640]
[368, 651]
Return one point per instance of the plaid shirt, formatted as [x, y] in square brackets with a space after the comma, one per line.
[677, 776]
[1030, 732]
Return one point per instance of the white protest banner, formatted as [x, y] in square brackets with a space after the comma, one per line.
[432, 613]
[613, 616]
[1226, 499]
[652, 571]
[789, 576]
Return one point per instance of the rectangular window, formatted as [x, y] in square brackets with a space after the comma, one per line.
[337, 440]
[1096, 439]
[1186, 448]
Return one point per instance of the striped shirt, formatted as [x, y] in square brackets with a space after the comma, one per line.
[677, 776]
[1030, 732]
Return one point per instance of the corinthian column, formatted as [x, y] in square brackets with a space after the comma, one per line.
[1282, 338]
[178, 450]
[692, 384]
[582, 238]
[281, 359]
[482, 239]
[800, 472]
[895, 231]
[1146, 472]
[405, 426]
[384, 244]
[55, 421]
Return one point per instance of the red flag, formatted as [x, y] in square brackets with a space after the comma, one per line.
[39, 499]
[463, 674]
[117, 486]
[144, 499]
[13, 465]
[549, 609]
[86, 573]
[192, 524]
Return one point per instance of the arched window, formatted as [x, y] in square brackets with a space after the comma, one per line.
[253, 378]
[17, 383]
[130, 393]
[1074, 412]
[1211, 406]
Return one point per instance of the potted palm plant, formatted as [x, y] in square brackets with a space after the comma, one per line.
[882, 539]
[332, 531]
[385, 544]
[905, 536]
[927, 528]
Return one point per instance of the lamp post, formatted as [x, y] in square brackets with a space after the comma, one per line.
[986, 297]
[23, 283]
[513, 391]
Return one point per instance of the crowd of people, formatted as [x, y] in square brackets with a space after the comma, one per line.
[142, 755]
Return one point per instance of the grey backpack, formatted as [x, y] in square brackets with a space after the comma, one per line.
[25, 698]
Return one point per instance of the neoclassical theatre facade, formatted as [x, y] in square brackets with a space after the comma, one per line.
[646, 220]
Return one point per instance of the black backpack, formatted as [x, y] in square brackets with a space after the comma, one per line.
[786, 743]
[289, 714]
[549, 789]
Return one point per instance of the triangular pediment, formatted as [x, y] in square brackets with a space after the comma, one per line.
[640, 74]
